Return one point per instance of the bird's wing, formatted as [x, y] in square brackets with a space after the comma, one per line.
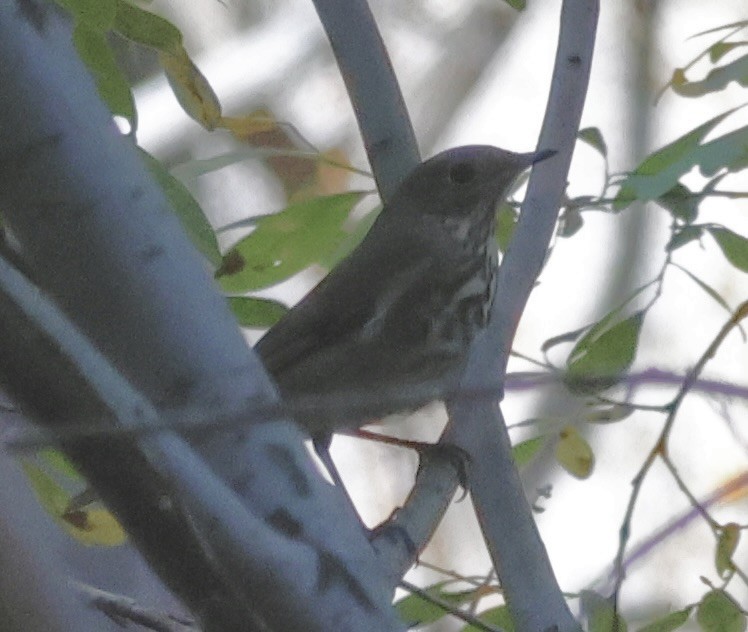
[346, 303]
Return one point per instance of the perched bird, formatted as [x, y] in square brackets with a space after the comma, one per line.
[388, 330]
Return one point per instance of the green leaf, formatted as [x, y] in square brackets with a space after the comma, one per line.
[524, 452]
[93, 527]
[95, 14]
[286, 243]
[146, 28]
[601, 616]
[187, 209]
[683, 236]
[594, 138]
[608, 413]
[574, 453]
[733, 246]
[717, 79]
[111, 83]
[259, 313]
[669, 622]
[661, 171]
[517, 5]
[351, 239]
[58, 461]
[605, 352]
[681, 202]
[50, 494]
[498, 617]
[718, 612]
[726, 545]
[718, 50]
[506, 222]
[707, 288]
[414, 610]
[570, 222]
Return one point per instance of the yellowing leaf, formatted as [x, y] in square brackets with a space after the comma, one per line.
[574, 453]
[90, 526]
[191, 88]
[93, 527]
[243, 126]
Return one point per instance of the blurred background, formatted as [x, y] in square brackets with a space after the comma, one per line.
[476, 71]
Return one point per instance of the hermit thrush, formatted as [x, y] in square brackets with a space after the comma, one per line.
[388, 330]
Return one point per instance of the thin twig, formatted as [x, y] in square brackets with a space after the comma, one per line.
[660, 448]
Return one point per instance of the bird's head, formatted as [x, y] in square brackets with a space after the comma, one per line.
[463, 181]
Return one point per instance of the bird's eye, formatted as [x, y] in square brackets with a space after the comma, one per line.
[462, 173]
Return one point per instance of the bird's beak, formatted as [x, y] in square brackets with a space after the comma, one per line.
[542, 155]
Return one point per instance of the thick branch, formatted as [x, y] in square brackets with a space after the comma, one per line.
[97, 235]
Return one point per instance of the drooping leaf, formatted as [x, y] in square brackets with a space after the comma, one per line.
[255, 312]
[733, 246]
[574, 453]
[605, 352]
[669, 622]
[718, 612]
[191, 88]
[188, 211]
[726, 545]
[594, 138]
[285, 243]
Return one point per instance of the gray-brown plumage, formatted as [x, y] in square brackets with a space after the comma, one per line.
[389, 328]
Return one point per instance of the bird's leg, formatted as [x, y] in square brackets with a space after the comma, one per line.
[457, 456]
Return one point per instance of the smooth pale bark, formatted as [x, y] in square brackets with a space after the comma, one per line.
[237, 523]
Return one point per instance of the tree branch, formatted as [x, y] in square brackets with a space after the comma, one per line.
[225, 518]
[373, 90]
[476, 426]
